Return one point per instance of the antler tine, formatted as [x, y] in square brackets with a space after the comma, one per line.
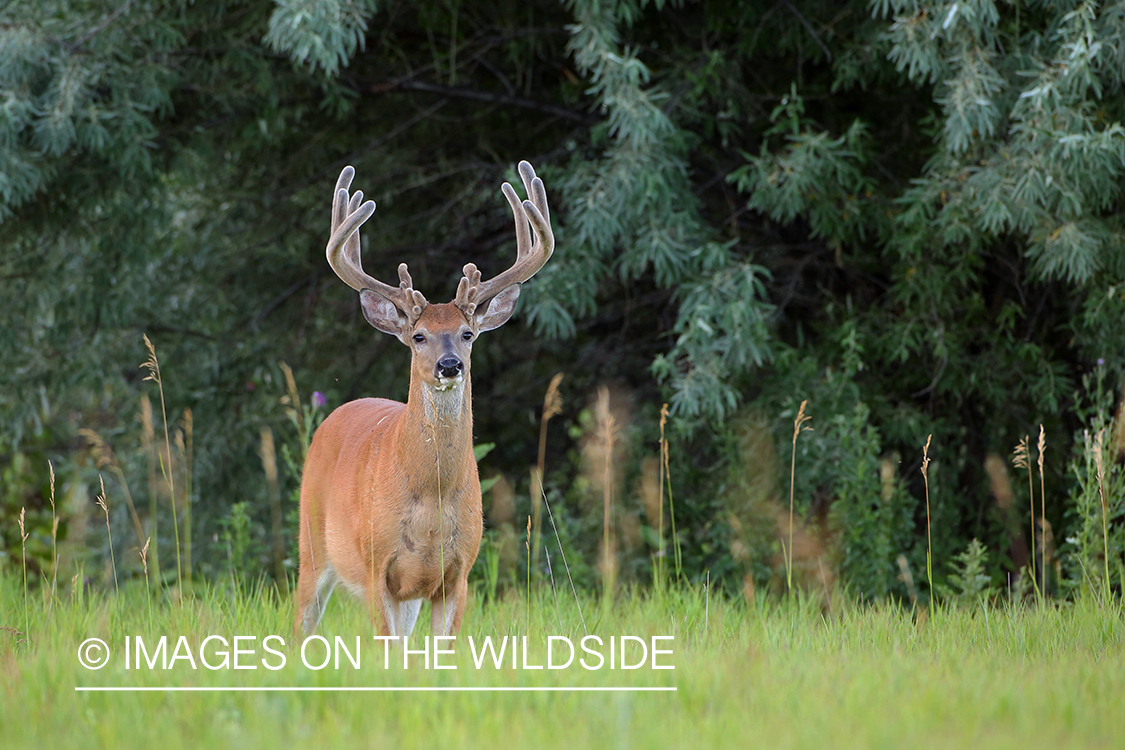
[416, 303]
[530, 257]
[523, 232]
[341, 208]
[535, 190]
[467, 289]
[348, 214]
[352, 246]
[344, 263]
[344, 182]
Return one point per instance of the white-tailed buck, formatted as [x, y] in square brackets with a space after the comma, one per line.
[390, 497]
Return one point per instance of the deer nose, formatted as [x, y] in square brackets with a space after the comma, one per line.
[449, 367]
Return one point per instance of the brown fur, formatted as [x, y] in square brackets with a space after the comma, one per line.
[391, 497]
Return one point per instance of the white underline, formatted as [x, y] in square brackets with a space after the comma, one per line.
[373, 689]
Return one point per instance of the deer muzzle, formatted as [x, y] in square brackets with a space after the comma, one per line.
[449, 367]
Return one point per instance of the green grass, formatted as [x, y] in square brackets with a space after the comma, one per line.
[771, 675]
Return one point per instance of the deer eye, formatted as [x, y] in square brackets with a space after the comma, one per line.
[467, 335]
[419, 338]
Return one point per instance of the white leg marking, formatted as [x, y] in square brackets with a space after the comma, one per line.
[401, 616]
[443, 615]
[390, 607]
[409, 613]
[315, 610]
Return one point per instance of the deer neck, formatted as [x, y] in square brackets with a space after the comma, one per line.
[437, 435]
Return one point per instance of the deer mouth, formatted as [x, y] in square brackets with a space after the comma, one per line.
[447, 384]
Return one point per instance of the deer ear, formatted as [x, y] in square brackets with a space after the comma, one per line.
[383, 314]
[500, 308]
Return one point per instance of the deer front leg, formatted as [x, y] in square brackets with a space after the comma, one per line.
[316, 577]
[313, 592]
[395, 618]
[447, 609]
[399, 617]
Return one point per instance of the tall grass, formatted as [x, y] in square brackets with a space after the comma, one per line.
[105, 458]
[606, 434]
[152, 364]
[527, 547]
[929, 537]
[798, 426]
[552, 407]
[273, 487]
[666, 479]
[23, 565]
[148, 441]
[566, 565]
[1021, 458]
[990, 677]
[1011, 675]
[1099, 463]
[103, 503]
[1042, 445]
[54, 538]
[186, 442]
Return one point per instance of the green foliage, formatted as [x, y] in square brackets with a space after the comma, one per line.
[1051, 175]
[1093, 528]
[814, 176]
[869, 511]
[632, 210]
[845, 473]
[906, 212]
[236, 537]
[322, 34]
[71, 87]
[22, 491]
[723, 328]
[969, 584]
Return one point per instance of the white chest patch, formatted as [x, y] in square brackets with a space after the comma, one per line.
[444, 402]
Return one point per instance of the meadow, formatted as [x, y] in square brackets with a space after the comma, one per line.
[777, 673]
[899, 220]
[811, 664]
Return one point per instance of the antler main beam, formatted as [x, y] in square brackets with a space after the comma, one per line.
[348, 214]
[530, 257]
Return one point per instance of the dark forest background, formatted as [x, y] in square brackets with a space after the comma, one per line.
[907, 214]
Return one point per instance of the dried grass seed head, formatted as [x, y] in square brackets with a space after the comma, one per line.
[1021, 455]
[552, 402]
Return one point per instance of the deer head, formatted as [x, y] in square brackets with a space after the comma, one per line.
[441, 336]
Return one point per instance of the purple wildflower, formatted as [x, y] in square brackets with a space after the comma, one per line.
[318, 399]
[1100, 361]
